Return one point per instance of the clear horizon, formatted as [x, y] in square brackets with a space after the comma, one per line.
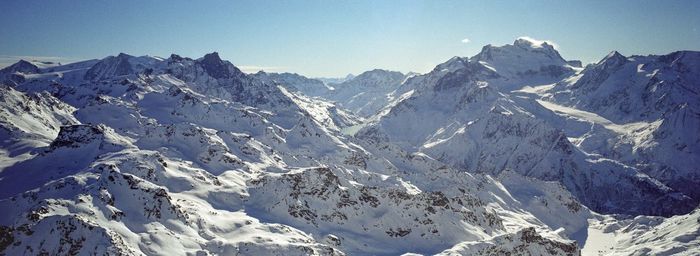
[332, 39]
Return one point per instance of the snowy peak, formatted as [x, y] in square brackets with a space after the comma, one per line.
[21, 66]
[109, 67]
[218, 68]
[120, 65]
[348, 77]
[295, 82]
[375, 78]
[335, 80]
[529, 43]
[613, 59]
[524, 58]
[520, 47]
[452, 64]
[177, 58]
[212, 58]
[378, 74]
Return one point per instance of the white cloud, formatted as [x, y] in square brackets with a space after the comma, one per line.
[466, 40]
[539, 42]
[250, 69]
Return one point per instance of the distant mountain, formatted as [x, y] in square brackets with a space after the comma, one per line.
[21, 66]
[365, 95]
[13, 74]
[297, 83]
[334, 80]
[368, 92]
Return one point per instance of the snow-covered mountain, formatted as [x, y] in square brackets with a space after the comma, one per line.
[525, 61]
[297, 83]
[14, 74]
[489, 155]
[334, 80]
[648, 110]
[465, 114]
[367, 93]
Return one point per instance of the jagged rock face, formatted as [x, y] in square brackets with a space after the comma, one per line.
[76, 135]
[525, 242]
[212, 76]
[218, 68]
[318, 199]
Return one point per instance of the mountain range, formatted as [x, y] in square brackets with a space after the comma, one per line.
[513, 151]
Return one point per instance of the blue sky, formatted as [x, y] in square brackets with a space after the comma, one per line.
[333, 38]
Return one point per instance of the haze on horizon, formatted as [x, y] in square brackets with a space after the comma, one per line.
[332, 39]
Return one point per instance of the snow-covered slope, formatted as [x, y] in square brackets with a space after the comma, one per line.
[525, 242]
[30, 120]
[145, 155]
[645, 235]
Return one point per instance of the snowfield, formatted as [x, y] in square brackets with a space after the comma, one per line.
[514, 151]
